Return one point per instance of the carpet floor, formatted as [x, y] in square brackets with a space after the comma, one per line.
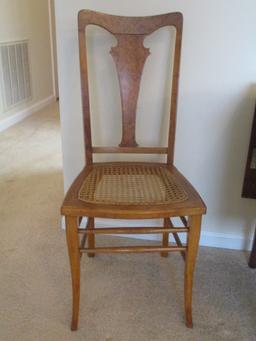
[123, 297]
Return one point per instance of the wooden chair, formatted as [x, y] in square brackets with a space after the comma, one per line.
[131, 190]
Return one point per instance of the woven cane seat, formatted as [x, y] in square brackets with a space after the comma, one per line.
[131, 185]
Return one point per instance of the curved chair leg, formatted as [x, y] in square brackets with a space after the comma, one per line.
[194, 223]
[91, 237]
[165, 241]
[74, 256]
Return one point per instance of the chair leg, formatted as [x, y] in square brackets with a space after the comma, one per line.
[165, 241]
[194, 223]
[91, 237]
[74, 256]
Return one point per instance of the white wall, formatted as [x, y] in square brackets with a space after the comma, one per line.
[217, 96]
[29, 19]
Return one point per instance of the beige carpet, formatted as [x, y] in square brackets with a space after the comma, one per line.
[135, 297]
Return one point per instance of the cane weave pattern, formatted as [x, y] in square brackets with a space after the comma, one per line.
[131, 185]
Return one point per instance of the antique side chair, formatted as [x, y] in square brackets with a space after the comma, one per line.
[131, 190]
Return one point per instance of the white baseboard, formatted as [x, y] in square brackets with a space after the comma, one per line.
[211, 239]
[22, 114]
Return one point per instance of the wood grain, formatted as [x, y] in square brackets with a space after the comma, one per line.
[74, 257]
[176, 237]
[129, 150]
[132, 230]
[192, 248]
[130, 56]
[165, 238]
[91, 236]
[133, 249]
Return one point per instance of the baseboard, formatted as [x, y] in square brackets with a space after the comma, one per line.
[211, 239]
[22, 114]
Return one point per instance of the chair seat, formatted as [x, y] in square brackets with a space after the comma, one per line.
[131, 185]
[131, 190]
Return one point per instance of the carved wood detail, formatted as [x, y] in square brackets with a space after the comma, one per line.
[130, 56]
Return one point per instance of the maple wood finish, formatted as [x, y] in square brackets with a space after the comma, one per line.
[130, 56]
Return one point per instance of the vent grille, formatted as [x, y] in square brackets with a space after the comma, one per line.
[16, 87]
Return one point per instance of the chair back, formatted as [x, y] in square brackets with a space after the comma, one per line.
[129, 56]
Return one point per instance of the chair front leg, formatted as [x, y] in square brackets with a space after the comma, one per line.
[74, 256]
[194, 223]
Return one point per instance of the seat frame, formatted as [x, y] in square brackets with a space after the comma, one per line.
[130, 56]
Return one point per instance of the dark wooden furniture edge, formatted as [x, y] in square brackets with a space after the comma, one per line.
[252, 260]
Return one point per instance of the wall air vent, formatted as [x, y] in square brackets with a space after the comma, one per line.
[14, 73]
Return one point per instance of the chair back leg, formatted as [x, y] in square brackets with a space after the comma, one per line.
[91, 237]
[165, 241]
